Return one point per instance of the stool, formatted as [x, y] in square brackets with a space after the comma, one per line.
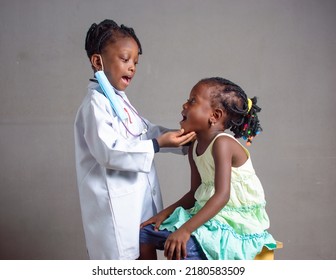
[267, 254]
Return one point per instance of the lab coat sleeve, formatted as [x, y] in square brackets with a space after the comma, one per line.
[107, 145]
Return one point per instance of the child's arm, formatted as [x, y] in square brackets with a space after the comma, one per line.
[110, 148]
[175, 245]
[187, 201]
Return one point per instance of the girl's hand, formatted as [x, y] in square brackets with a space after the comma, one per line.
[175, 138]
[176, 245]
[156, 220]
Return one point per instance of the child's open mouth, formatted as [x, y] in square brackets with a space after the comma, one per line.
[184, 118]
[127, 79]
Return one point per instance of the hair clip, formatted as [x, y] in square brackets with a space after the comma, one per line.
[249, 104]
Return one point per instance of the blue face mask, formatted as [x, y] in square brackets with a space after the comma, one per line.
[110, 93]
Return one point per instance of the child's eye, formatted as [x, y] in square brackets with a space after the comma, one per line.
[191, 101]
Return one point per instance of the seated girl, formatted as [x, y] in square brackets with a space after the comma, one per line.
[223, 215]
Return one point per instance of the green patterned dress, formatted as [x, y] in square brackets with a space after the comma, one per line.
[239, 230]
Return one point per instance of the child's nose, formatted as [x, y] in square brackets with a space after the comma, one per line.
[132, 67]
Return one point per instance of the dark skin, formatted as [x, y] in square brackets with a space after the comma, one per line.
[207, 121]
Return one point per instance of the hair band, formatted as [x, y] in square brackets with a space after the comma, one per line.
[249, 104]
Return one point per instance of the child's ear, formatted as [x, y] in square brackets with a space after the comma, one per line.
[218, 114]
[96, 62]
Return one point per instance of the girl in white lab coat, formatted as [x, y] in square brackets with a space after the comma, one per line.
[115, 147]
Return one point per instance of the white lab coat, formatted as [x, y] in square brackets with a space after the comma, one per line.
[117, 182]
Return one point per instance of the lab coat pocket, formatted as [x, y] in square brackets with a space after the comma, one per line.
[121, 183]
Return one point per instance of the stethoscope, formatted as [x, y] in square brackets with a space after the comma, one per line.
[144, 131]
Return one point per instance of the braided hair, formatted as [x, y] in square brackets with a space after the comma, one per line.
[104, 33]
[242, 112]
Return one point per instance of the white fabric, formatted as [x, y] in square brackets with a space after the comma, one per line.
[117, 181]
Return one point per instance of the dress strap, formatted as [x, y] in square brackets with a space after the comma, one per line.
[231, 136]
[213, 141]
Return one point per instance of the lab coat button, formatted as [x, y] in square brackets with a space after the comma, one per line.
[154, 192]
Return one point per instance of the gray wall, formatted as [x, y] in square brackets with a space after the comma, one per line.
[281, 51]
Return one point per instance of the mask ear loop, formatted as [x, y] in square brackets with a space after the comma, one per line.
[101, 62]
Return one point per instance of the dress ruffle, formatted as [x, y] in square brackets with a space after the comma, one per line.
[239, 229]
[220, 241]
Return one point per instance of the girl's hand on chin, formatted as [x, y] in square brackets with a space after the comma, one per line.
[175, 138]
